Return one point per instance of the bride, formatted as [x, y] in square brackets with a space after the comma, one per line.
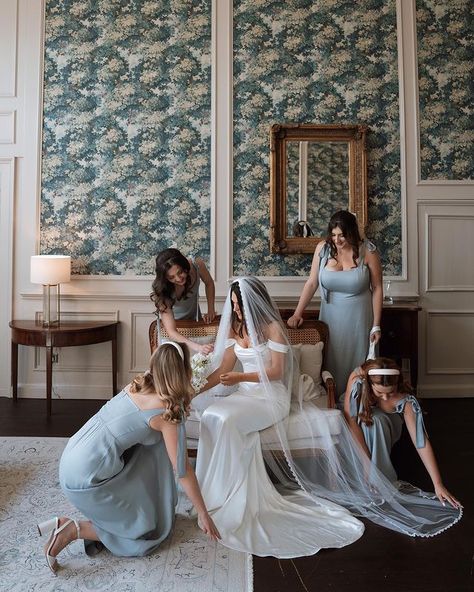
[306, 505]
[251, 514]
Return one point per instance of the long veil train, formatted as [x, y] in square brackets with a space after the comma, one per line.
[335, 469]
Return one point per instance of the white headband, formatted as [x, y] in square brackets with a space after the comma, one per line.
[177, 346]
[383, 372]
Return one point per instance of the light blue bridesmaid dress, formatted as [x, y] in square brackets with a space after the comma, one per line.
[116, 471]
[386, 429]
[346, 307]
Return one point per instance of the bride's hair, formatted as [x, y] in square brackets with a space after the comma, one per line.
[258, 290]
[169, 376]
[163, 291]
[347, 222]
[367, 398]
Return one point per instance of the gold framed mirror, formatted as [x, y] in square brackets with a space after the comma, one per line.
[315, 170]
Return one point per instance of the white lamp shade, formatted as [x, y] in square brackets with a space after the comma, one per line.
[50, 269]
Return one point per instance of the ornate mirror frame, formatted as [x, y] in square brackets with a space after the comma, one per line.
[280, 135]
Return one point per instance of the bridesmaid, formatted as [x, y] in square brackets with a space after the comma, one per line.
[118, 469]
[175, 292]
[349, 272]
[377, 402]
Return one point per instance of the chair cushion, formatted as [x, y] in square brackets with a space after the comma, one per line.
[310, 359]
[303, 426]
[298, 430]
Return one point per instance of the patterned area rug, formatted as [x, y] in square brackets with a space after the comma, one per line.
[29, 492]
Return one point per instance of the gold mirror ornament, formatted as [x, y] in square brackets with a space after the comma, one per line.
[315, 170]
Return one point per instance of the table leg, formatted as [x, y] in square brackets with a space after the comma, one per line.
[49, 378]
[114, 366]
[15, 370]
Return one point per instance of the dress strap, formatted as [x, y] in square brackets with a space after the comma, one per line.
[181, 459]
[355, 396]
[278, 347]
[366, 246]
[323, 259]
[420, 425]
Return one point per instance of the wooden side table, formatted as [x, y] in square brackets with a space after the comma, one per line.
[400, 335]
[67, 334]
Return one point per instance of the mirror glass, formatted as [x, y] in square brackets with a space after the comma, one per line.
[315, 171]
[317, 184]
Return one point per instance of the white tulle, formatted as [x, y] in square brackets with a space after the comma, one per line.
[291, 500]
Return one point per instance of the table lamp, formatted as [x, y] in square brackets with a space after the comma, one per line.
[51, 271]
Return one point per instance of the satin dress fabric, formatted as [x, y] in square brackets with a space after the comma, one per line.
[116, 471]
[249, 512]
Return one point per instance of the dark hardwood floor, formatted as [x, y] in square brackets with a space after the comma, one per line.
[381, 561]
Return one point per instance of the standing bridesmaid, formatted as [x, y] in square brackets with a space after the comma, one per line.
[349, 273]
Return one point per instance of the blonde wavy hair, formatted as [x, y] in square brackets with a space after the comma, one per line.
[169, 377]
[367, 398]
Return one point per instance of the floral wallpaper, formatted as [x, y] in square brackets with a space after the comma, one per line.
[445, 38]
[313, 61]
[126, 132]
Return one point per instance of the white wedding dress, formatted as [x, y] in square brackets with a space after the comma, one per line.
[249, 512]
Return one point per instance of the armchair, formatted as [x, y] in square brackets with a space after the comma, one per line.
[311, 332]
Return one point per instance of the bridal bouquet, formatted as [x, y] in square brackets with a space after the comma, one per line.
[200, 365]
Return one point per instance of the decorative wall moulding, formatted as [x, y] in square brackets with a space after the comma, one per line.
[7, 127]
[440, 325]
[8, 48]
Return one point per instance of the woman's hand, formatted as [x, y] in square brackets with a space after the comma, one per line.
[294, 321]
[229, 378]
[444, 496]
[209, 317]
[375, 334]
[207, 525]
[205, 349]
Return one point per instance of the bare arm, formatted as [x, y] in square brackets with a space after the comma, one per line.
[309, 289]
[169, 323]
[274, 371]
[210, 290]
[189, 481]
[428, 458]
[375, 270]
[228, 362]
[352, 421]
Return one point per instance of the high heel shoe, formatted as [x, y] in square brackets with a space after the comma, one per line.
[52, 526]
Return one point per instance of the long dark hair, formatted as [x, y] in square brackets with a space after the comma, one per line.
[163, 294]
[258, 287]
[368, 399]
[347, 222]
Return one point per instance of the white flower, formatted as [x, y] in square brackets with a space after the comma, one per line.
[200, 366]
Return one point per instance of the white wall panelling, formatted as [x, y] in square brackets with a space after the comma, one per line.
[7, 170]
[7, 127]
[8, 47]
[446, 245]
[441, 326]
[139, 344]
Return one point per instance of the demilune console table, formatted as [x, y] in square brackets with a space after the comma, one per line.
[67, 334]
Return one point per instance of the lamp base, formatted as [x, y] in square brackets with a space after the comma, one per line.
[51, 305]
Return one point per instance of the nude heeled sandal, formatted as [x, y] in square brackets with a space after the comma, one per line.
[52, 526]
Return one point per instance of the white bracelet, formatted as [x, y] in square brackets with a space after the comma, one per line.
[375, 329]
